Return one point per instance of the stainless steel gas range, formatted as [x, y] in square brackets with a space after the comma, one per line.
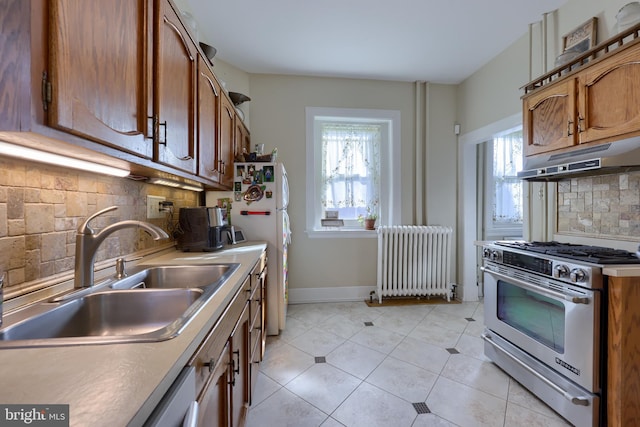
[544, 308]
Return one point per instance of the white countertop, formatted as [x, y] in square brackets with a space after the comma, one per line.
[622, 271]
[119, 384]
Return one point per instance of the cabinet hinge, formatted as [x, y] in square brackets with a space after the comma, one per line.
[46, 91]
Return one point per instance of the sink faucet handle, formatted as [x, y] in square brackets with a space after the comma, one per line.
[85, 228]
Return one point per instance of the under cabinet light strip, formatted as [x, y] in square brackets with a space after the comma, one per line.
[32, 154]
[175, 184]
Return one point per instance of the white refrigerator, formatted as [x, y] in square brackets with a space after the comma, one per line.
[259, 208]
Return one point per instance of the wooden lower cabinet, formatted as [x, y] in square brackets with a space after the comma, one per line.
[257, 313]
[239, 383]
[213, 401]
[226, 362]
[623, 364]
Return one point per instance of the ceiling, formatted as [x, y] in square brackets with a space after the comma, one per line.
[440, 41]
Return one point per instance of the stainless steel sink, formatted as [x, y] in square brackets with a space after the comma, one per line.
[152, 304]
[176, 276]
[110, 316]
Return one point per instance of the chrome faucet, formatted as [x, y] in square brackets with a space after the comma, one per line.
[88, 241]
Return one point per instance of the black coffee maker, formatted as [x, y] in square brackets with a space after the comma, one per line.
[201, 229]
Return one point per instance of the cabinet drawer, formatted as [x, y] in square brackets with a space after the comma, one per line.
[211, 349]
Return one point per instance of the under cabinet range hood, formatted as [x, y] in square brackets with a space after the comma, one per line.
[610, 157]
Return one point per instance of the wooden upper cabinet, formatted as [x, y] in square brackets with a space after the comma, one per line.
[209, 95]
[227, 148]
[15, 31]
[242, 137]
[608, 97]
[549, 121]
[175, 91]
[99, 72]
[597, 103]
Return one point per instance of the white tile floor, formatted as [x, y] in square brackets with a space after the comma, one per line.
[386, 366]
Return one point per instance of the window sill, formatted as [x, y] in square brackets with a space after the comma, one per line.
[341, 233]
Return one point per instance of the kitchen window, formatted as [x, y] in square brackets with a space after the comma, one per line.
[352, 165]
[504, 190]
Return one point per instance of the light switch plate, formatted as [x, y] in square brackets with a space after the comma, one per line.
[153, 207]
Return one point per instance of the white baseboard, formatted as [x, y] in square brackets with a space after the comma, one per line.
[337, 294]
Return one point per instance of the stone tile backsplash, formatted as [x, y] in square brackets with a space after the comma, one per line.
[606, 206]
[41, 207]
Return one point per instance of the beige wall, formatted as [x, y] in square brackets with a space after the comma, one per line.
[278, 120]
[42, 206]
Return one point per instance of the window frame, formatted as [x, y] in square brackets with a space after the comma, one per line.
[496, 230]
[390, 164]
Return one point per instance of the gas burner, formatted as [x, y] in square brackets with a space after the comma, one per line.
[586, 253]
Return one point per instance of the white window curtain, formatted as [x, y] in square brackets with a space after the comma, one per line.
[351, 168]
[508, 188]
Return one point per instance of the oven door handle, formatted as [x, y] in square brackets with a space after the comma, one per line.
[576, 400]
[548, 292]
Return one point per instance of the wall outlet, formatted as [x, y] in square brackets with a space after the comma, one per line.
[153, 207]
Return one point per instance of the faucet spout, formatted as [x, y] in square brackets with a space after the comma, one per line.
[88, 241]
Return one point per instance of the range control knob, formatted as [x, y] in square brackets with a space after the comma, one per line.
[495, 255]
[560, 271]
[578, 275]
[486, 253]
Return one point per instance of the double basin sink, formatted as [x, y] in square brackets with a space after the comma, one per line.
[152, 303]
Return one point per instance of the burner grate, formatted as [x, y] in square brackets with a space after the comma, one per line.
[586, 253]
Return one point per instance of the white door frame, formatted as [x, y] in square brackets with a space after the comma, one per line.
[467, 200]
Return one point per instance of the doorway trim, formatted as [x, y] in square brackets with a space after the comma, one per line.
[467, 200]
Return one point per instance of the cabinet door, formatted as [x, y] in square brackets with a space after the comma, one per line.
[227, 117]
[208, 122]
[100, 71]
[242, 138]
[608, 97]
[240, 369]
[214, 400]
[549, 118]
[175, 91]
[15, 31]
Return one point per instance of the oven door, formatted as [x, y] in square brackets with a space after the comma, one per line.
[554, 322]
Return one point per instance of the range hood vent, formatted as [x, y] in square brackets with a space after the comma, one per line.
[611, 157]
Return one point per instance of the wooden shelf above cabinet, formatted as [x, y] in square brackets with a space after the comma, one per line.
[608, 47]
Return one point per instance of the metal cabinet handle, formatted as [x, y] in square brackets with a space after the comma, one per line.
[580, 121]
[547, 292]
[211, 364]
[236, 368]
[233, 371]
[569, 127]
[164, 124]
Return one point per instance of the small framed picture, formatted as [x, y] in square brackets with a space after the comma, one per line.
[268, 173]
[582, 38]
[240, 170]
